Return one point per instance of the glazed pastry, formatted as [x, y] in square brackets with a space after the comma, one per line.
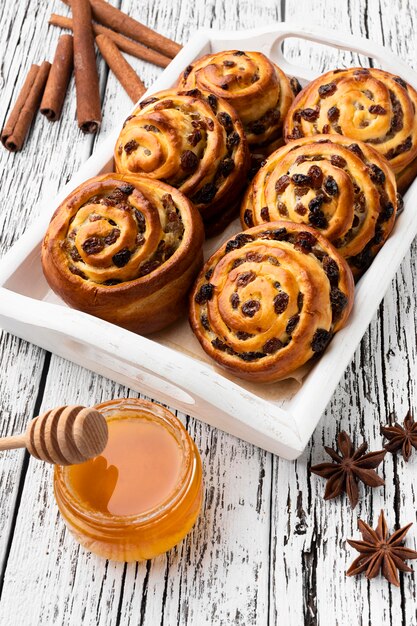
[270, 299]
[368, 105]
[344, 189]
[193, 142]
[259, 91]
[125, 249]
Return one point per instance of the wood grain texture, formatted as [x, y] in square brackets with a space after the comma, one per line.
[378, 383]
[23, 364]
[183, 586]
[46, 162]
[267, 549]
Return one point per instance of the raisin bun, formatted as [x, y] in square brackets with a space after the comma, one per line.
[194, 142]
[344, 189]
[270, 299]
[125, 249]
[257, 88]
[368, 105]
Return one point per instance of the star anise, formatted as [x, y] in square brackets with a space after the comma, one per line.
[401, 436]
[378, 552]
[348, 468]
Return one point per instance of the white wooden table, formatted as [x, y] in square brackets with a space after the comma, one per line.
[266, 549]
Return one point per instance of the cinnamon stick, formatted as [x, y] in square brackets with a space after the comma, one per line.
[86, 77]
[124, 72]
[115, 19]
[123, 43]
[58, 79]
[27, 103]
[20, 102]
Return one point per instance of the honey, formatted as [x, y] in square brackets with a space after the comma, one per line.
[153, 456]
[143, 494]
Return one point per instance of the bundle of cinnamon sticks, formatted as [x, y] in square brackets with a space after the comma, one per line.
[46, 85]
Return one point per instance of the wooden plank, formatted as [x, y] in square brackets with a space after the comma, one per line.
[309, 550]
[45, 564]
[397, 325]
[47, 160]
[190, 581]
[22, 184]
[220, 572]
[18, 392]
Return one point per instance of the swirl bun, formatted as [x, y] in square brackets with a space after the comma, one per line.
[259, 91]
[270, 299]
[367, 105]
[125, 249]
[346, 190]
[193, 142]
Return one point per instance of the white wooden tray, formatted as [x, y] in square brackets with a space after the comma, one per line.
[170, 366]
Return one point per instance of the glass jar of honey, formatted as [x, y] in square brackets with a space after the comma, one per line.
[143, 494]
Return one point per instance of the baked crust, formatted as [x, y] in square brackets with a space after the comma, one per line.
[345, 189]
[257, 88]
[194, 142]
[125, 249]
[365, 104]
[270, 299]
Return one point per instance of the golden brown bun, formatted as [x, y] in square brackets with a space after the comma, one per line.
[270, 299]
[193, 142]
[367, 105]
[259, 91]
[345, 189]
[125, 249]
[406, 176]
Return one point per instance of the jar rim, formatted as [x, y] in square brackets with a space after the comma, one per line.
[187, 469]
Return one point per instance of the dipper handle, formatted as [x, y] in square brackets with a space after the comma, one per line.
[13, 442]
[66, 435]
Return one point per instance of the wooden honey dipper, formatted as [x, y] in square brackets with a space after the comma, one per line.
[65, 436]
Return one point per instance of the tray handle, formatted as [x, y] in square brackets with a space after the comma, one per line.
[383, 55]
